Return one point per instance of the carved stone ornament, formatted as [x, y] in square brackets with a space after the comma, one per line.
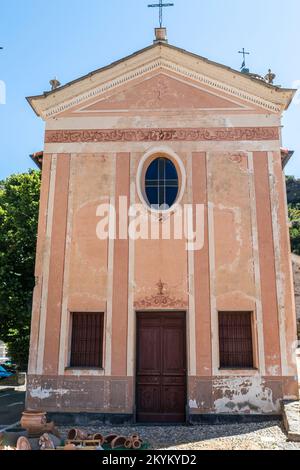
[160, 300]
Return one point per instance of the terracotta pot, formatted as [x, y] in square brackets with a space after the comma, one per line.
[110, 438]
[118, 442]
[77, 435]
[49, 441]
[98, 437]
[23, 444]
[31, 419]
[128, 444]
[10, 438]
[136, 444]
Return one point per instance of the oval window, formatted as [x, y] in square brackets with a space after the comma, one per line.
[161, 183]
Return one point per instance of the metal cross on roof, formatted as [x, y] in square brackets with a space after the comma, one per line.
[244, 56]
[161, 5]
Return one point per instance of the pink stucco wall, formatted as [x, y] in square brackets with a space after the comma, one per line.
[243, 265]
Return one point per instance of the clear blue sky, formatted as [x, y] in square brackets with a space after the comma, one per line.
[69, 38]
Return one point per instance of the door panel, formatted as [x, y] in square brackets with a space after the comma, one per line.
[161, 367]
[173, 356]
[149, 344]
[173, 397]
[149, 398]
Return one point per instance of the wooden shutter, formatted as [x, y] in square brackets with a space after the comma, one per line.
[87, 340]
[235, 337]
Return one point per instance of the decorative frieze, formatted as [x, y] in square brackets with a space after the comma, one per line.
[159, 135]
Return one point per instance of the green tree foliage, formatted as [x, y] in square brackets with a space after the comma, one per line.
[293, 190]
[19, 203]
[293, 195]
[294, 215]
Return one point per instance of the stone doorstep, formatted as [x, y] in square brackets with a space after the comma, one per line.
[291, 419]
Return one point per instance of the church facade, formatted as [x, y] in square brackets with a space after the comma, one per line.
[164, 284]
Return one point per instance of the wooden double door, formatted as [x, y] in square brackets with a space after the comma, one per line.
[161, 379]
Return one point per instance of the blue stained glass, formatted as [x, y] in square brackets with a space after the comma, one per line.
[161, 183]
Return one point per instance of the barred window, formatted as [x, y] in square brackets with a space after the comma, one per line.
[235, 338]
[87, 340]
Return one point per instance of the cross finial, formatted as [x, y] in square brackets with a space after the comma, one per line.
[161, 285]
[161, 5]
[244, 57]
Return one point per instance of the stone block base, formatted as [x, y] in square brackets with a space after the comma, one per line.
[291, 419]
[91, 419]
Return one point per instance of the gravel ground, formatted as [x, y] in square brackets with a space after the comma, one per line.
[254, 436]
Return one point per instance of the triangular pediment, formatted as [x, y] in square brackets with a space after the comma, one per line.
[161, 92]
[162, 77]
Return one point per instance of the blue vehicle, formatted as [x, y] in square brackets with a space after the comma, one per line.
[4, 374]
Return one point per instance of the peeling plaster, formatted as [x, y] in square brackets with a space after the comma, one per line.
[43, 394]
[193, 405]
[244, 395]
[274, 371]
